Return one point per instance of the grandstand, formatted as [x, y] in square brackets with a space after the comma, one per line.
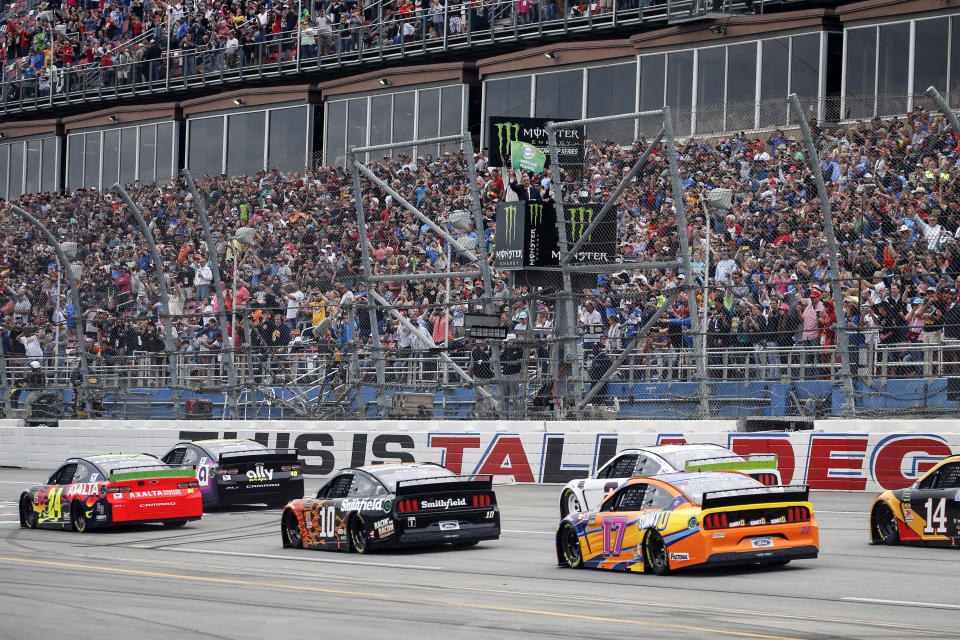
[265, 109]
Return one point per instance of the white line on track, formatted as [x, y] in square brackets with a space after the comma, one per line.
[540, 533]
[904, 603]
[18, 482]
[300, 559]
[9, 521]
[844, 513]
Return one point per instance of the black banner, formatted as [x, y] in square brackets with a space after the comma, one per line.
[526, 235]
[601, 246]
[502, 131]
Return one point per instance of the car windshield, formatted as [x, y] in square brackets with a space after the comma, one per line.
[694, 487]
[110, 463]
[389, 475]
[681, 456]
[216, 447]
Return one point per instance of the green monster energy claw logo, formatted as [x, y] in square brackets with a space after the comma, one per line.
[507, 132]
[536, 213]
[580, 219]
[510, 224]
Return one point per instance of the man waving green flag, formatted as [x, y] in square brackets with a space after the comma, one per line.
[527, 157]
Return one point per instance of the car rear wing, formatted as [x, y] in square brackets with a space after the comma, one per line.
[442, 484]
[259, 455]
[152, 472]
[755, 495]
[749, 462]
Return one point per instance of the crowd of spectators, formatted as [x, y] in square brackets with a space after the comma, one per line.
[763, 287]
[60, 45]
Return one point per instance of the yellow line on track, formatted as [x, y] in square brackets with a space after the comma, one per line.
[383, 596]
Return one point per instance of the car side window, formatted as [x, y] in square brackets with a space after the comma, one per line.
[362, 486]
[646, 466]
[630, 498]
[948, 477]
[175, 456]
[931, 480]
[340, 487]
[656, 498]
[84, 473]
[621, 467]
[65, 474]
[191, 457]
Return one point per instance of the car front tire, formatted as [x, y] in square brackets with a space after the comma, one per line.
[568, 547]
[883, 526]
[28, 515]
[290, 531]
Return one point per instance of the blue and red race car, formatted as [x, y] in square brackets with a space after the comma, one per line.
[105, 490]
[239, 471]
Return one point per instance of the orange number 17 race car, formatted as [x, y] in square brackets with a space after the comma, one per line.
[679, 520]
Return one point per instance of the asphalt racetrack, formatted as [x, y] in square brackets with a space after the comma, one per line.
[227, 576]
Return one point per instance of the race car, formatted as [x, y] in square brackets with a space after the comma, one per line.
[927, 512]
[390, 505]
[241, 471]
[581, 495]
[679, 520]
[105, 490]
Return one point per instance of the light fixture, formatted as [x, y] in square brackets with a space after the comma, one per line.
[112, 118]
[550, 55]
[384, 82]
[2, 134]
[238, 102]
[718, 30]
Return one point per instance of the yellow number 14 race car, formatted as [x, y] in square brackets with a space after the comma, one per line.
[927, 512]
[678, 520]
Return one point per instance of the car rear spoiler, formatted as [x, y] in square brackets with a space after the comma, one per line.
[755, 495]
[749, 462]
[259, 455]
[151, 473]
[443, 484]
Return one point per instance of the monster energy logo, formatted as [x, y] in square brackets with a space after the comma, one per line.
[536, 213]
[580, 219]
[507, 132]
[510, 224]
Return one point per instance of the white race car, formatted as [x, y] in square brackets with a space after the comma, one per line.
[583, 495]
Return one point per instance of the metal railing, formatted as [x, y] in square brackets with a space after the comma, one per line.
[290, 53]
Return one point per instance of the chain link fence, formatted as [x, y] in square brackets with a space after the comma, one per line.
[752, 327]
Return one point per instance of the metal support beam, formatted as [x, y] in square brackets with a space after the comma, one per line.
[843, 340]
[370, 175]
[232, 400]
[613, 118]
[680, 213]
[566, 315]
[944, 108]
[453, 137]
[75, 295]
[483, 261]
[634, 170]
[453, 365]
[371, 290]
[406, 277]
[164, 298]
[640, 335]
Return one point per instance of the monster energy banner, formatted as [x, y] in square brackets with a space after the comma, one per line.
[502, 132]
[526, 235]
[601, 245]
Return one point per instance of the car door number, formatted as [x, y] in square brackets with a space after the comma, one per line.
[616, 524]
[936, 516]
[53, 510]
[328, 522]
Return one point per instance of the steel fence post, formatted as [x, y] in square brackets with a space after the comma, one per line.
[812, 159]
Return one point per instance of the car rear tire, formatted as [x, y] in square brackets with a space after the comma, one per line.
[569, 503]
[174, 524]
[568, 547]
[358, 536]
[466, 543]
[655, 554]
[290, 531]
[883, 526]
[28, 515]
[78, 519]
[776, 563]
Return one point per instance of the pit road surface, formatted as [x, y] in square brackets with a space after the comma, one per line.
[227, 576]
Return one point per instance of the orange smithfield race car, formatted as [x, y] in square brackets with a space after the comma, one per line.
[927, 512]
[678, 520]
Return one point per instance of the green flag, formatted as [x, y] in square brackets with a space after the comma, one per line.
[526, 156]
